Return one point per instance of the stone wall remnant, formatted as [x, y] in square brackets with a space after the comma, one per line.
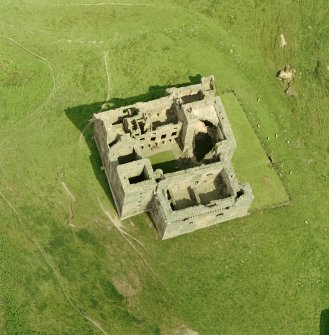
[191, 123]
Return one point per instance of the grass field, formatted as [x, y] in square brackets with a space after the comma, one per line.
[250, 161]
[65, 267]
[166, 161]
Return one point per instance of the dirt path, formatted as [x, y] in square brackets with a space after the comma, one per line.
[116, 222]
[43, 59]
[72, 200]
[103, 4]
[67, 191]
[107, 76]
[53, 89]
[87, 43]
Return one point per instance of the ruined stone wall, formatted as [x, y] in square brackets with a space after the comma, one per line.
[226, 147]
[171, 224]
[204, 191]
[161, 135]
[189, 122]
[138, 183]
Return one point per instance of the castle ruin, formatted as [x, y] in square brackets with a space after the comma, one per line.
[197, 187]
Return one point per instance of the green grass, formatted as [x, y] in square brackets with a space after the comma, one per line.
[165, 161]
[263, 274]
[25, 82]
[250, 160]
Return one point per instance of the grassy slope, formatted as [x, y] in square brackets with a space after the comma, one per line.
[19, 69]
[263, 274]
[250, 161]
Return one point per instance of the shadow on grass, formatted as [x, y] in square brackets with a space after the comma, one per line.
[324, 322]
[81, 115]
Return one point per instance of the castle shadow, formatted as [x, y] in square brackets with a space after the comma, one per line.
[81, 115]
[154, 92]
[324, 322]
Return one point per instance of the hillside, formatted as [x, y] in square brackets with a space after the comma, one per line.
[65, 267]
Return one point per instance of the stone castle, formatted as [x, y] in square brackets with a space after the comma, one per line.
[197, 186]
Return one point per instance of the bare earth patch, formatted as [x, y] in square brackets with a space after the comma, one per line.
[129, 286]
[283, 41]
[183, 330]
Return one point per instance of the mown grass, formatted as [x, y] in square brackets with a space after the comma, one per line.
[264, 274]
[166, 161]
[250, 161]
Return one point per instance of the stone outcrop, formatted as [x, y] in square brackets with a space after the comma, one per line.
[200, 188]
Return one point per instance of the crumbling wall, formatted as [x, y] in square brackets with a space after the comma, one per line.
[138, 183]
[234, 201]
[191, 219]
[161, 135]
[204, 191]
